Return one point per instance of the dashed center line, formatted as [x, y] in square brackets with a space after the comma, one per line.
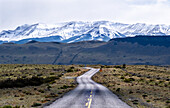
[88, 104]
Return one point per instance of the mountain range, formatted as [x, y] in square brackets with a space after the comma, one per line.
[70, 32]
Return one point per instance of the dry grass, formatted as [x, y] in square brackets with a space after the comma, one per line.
[140, 86]
[37, 96]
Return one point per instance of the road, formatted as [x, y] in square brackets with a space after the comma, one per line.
[89, 94]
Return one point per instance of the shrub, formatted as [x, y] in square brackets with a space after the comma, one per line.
[64, 87]
[52, 82]
[21, 99]
[48, 87]
[108, 66]
[118, 89]
[122, 77]
[129, 80]
[141, 79]
[51, 73]
[144, 96]
[124, 66]
[7, 106]
[117, 66]
[102, 66]
[135, 101]
[130, 92]
[16, 107]
[168, 106]
[41, 91]
[72, 67]
[35, 104]
[161, 81]
[167, 101]
[39, 74]
[70, 70]
[156, 84]
[59, 92]
[20, 82]
[148, 101]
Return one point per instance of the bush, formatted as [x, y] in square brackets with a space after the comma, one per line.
[167, 101]
[70, 70]
[102, 66]
[41, 91]
[148, 101]
[130, 92]
[51, 73]
[20, 82]
[16, 107]
[108, 66]
[52, 82]
[72, 67]
[64, 87]
[49, 79]
[135, 101]
[122, 77]
[168, 106]
[124, 66]
[7, 106]
[118, 89]
[48, 87]
[36, 104]
[117, 66]
[144, 96]
[129, 80]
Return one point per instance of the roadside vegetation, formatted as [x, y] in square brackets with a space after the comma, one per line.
[140, 86]
[25, 86]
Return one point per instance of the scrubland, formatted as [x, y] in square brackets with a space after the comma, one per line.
[140, 86]
[25, 86]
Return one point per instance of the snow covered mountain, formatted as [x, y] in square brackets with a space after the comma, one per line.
[80, 31]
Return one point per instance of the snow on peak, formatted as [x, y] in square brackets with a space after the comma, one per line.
[80, 31]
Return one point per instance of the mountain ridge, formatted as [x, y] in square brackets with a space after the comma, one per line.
[148, 50]
[76, 31]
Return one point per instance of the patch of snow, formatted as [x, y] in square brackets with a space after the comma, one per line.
[99, 30]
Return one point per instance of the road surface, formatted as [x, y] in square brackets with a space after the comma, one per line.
[89, 94]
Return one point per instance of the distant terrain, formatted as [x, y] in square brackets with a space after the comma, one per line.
[149, 50]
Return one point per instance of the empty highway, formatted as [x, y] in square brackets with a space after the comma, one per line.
[89, 94]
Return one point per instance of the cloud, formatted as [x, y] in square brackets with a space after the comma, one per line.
[18, 12]
[142, 2]
[156, 13]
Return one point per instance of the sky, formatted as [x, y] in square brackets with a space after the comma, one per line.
[18, 12]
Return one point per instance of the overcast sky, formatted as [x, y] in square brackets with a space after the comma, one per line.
[19, 12]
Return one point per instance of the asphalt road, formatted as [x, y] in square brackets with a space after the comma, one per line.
[89, 94]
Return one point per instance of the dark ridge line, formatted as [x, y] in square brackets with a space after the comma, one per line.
[71, 61]
[58, 56]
